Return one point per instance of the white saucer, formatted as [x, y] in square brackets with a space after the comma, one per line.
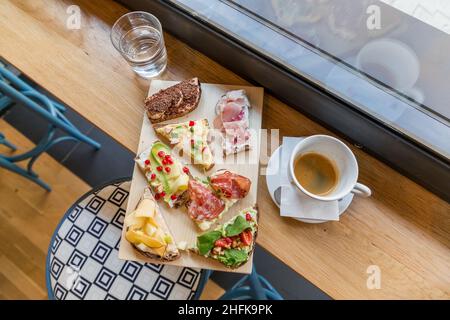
[273, 184]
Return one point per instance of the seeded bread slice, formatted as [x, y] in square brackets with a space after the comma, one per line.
[173, 102]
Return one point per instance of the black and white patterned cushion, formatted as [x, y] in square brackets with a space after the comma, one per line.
[83, 258]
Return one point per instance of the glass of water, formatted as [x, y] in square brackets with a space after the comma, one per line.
[138, 37]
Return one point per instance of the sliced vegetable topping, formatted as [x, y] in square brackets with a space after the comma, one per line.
[221, 243]
[246, 237]
[161, 154]
[233, 257]
[206, 241]
[238, 226]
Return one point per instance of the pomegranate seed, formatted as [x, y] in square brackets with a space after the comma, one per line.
[185, 169]
[161, 154]
[159, 168]
[167, 169]
[191, 123]
[248, 217]
[164, 161]
[173, 197]
[147, 162]
[153, 176]
[162, 194]
[168, 158]
[157, 196]
[228, 240]
[192, 142]
[169, 161]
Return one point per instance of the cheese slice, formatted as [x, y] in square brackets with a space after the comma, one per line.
[146, 208]
[138, 236]
[147, 230]
[132, 220]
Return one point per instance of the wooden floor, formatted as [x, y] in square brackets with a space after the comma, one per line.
[28, 217]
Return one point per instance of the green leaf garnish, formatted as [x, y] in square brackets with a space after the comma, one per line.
[206, 241]
[237, 227]
[233, 257]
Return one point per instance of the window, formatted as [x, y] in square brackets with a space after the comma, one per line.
[376, 54]
[385, 61]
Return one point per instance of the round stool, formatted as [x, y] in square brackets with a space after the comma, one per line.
[83, 263]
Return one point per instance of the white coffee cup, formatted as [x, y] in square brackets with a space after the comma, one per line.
[343, 159]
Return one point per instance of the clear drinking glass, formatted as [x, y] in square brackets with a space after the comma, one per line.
[138, 37]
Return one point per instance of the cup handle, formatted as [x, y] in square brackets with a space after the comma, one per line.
[362, 190]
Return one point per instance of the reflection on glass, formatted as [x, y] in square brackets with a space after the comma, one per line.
[386, 57]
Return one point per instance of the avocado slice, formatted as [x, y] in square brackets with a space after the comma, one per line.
[173, 181]
[157, 147]
[175, 168]
[157, 161]
[159, 175]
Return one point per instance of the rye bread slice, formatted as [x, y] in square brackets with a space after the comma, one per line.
[173, 102]
[169, 257]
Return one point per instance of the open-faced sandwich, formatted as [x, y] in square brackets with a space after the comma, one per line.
[209, 200]
[173, 102]
[190, 137]
[229, 184]
[147, 230]
[233, 121]
[164, 173]
[233, 242]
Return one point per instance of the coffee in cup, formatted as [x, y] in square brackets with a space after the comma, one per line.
[316, 173]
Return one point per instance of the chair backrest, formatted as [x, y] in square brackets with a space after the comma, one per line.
[14, 89]
[252, 287]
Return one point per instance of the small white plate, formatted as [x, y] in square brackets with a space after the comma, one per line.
[273, 184]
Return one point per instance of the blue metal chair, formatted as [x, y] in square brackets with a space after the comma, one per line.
[15, 90]
[252, 287]
[5, 104]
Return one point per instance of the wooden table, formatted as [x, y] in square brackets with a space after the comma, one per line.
[403, 229]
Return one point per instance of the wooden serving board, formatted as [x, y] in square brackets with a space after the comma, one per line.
[245, 163]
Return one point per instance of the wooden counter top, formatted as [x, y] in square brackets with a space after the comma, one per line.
[402, 228]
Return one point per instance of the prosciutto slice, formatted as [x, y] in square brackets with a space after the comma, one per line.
[230, 184]
[232, 120]
[204, 204]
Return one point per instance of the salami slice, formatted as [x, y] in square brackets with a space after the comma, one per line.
[231, 185]
[204, 204]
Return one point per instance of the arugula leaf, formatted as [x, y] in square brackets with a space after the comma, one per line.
[206, 241]
[233, 257]
[239, 225]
